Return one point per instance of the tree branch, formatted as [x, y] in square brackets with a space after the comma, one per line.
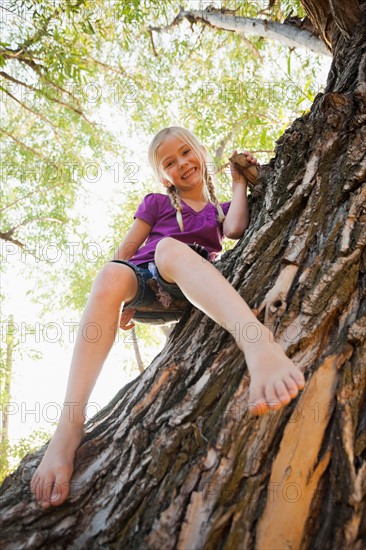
[22, 144]
[220, 150]
[13, 13]
[39, 34]
[36, 90]
[8, 235]
[16, 81]
[152, 43]
[330, 15]
[32, 111]
[37, 69]
[286, 34]
[136, 348]
[251, 46]
[31, 220]
[29, 194]
[119, 70]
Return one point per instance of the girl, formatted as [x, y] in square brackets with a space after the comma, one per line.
[168, 223]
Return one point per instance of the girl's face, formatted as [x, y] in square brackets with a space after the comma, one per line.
[180, 164]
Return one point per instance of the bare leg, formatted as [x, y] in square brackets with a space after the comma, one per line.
[114, 285]
[275, 380]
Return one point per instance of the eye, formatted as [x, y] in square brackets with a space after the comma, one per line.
[186, 152]
[169, 164]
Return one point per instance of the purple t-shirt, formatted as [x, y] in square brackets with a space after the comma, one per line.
[199, 227]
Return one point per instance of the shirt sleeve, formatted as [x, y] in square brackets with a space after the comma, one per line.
[148, 210]
[225, 207]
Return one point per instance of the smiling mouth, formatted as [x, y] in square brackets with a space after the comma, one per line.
[189, 173]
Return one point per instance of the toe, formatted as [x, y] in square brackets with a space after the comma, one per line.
[282, 393]
[292, 387]
[257, 402]
[61, 488]
[37, 488]
[60, 492]
[56, 494]
[271, 397]
[299, 379]
[258, 407]
[45, 490]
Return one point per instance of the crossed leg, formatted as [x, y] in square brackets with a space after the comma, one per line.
[275, 379]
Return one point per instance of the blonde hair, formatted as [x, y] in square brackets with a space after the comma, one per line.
[173, 193]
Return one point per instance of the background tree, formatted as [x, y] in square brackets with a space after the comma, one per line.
[11, 347]
[175, 461]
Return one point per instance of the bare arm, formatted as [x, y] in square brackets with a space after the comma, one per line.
[134, 238]
[237, 218]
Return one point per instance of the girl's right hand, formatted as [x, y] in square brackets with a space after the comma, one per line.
[126, 317]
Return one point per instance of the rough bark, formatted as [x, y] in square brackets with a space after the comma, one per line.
[175, 460]
[333, 16]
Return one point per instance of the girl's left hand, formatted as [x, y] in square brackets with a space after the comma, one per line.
[126, 316]
[235, 174]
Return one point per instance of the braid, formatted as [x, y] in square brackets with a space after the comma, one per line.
[213, 198]
[174, 197]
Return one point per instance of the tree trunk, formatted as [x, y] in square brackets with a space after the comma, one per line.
[175, 460]
[136, 349]
[5, 393]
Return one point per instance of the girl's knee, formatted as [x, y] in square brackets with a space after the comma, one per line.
[117, 281]
[166, 249]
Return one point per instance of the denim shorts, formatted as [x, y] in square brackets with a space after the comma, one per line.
[145, 294]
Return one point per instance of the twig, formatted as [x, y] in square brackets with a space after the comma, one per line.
[152, 43]
[32, 111]
[23, 145]
[30, 87]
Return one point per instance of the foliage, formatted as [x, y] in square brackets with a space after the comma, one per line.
[12, 454]
[64, 61]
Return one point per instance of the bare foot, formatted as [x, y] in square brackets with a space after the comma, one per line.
[274, 379]
[51, 481]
